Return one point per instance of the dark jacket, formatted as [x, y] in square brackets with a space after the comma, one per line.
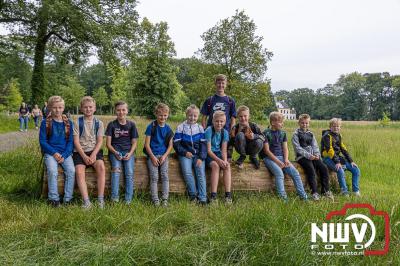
[252, 129]
[332, 146]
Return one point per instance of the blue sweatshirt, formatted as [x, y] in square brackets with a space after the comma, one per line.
[190, 138]
[56, 142]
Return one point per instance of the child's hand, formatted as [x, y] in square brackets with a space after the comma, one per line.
[57, 156]
[281, 164]
[189, 155]
[118, 156]
[338, 166]
[92, 158]
[221, 163]
[250, 135]
[199, 162]
[354, 164]
[287, 163]
[127, 156]
[155, 161]
[87, 160]
[226, 164]
[162, 159]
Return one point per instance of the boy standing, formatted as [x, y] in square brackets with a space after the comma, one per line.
[157, 147]
[55, 138]
[122, 137]
[247, 138]
[217, 143]
[276, 157]
[88, 140]
[219, 102]
[309, 157]
[332, 147]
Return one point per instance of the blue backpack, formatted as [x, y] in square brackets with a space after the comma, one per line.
[82, 128]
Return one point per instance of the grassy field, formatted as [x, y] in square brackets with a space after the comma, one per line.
[9, 123]
[256, 229]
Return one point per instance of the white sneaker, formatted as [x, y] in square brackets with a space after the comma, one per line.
[357, 194]
[316, 197]
[87, 205]
[329, 195]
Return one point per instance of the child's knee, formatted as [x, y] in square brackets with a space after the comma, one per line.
[240, 137]
[116, 170]
[214, 166]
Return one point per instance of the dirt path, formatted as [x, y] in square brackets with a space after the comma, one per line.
[12, 140]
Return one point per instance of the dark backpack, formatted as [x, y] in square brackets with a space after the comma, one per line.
[222, 136]
[82, 128]
[168, 138]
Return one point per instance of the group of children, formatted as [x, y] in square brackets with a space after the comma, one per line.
[77, 145]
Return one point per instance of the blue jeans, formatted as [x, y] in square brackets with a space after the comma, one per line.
[129, 167]
[196, 188]
[23, 122]
[355, 172]
[279, 177]
[52, 173]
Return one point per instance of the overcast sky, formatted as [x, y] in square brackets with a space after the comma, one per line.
[313, 41]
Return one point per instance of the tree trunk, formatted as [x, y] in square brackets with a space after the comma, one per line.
[37, 83]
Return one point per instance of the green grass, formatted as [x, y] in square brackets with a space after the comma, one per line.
[8, 123]
[257, 229]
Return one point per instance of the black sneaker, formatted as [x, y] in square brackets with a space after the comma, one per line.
[54, 203]
[256, 162]
[240, 161]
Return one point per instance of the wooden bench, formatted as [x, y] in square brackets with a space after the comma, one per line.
[246, 179]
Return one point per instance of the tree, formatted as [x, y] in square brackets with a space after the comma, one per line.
[72, 92]
[302, 100]
[72, 26]
[10, 97]
[118, 85]
[153, 77]
[396, 98]
[233, 44]
[94, 77]
[101, 97]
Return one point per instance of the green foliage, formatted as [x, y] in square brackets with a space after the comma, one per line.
[385, 120]
[153, 76]
[118, 85]
[94, 77]
[72, 92]
[233, 44]
[10, 97]
[101, 97]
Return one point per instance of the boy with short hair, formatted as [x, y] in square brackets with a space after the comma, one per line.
[122, 138]
[309, 157]
[275, 155]
[219, 102]
[333, 148]
[217, 143]
[190, 145]
[88, 140]
[157, 147]
[247, 138]
[55, 138]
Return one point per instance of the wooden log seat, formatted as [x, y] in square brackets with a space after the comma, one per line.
[246, 179]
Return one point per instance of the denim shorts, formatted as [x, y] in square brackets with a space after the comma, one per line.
[209, 159]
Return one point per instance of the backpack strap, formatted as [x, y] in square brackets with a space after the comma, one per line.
[209, 104]
[81, 125]
[67, 126]
[49, 124]
[222, 136]
[96, 126]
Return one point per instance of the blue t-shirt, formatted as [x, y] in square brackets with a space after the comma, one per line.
[219, 103]
[276, 147]
[216, 140]
[157, 142]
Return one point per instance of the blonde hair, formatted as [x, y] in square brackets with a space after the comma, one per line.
[54, 99]
[192, 107]
[275, 116]
[243, 108]
[161, 107]
[335, 121]
[87, 99]
[218, 114]
[220, 77]
[304, 116]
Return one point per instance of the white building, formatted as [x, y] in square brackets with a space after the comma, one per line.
[283, 108]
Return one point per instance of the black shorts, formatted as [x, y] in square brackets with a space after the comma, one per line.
[79, 160]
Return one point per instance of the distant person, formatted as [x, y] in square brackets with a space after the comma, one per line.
[36, 114]
[122, 138]
[190, 145]
[157, 147]
[45, 110]
[275, 155]
[88, 152]
[247, 138]
[220, 102]
[56, 141]
[332, 150]
[23, 117]
[309, 157]
[217, 159]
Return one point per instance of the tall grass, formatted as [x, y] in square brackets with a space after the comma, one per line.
[256, 229]
[8, 123]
